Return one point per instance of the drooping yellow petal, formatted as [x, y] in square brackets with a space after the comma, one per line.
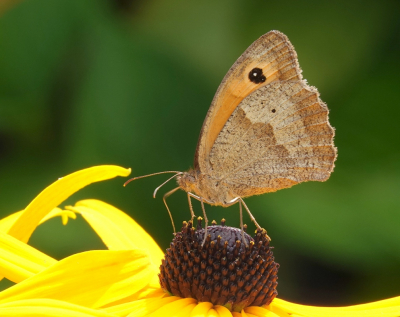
[186, 311]
[201, 309]
[117, 230]
[48, 307]
[385, 308]
[91, 279]
[56, 193]
[212, 313]
[248, 314]
[19, 261]
[7, 222]
[244, 314]
[223, 311]
[175, 308]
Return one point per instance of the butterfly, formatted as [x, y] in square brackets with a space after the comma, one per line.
[266, 129]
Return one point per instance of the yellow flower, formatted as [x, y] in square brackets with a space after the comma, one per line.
[121, 281]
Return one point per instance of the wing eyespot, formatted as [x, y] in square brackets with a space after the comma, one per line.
[273, 110]
[256, 76]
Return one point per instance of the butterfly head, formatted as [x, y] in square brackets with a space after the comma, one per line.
[213, 191]
[188, 180]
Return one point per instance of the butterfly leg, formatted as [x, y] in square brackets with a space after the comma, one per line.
[251, 216]
[205, 221]
[165, 203]
[199, 198]
[191, 207]
[241, 223]
[202, 200]
[232, 202]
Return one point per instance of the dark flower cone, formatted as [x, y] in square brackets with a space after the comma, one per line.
[224, 271]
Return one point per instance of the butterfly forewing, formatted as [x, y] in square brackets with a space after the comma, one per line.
[268, 59]
[261, 136]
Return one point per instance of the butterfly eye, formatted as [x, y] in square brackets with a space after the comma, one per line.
[256, 76]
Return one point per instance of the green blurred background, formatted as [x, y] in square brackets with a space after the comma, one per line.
[124, 82]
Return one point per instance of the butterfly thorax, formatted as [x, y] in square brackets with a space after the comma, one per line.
[211, 189]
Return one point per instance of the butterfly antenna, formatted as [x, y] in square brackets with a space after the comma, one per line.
[156, 190]
[135, 178]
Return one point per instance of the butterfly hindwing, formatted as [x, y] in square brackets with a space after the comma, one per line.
[277, 137]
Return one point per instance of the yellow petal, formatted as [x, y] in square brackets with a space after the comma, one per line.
[212, 313]
[259, 311]
[19, 261]
[48, 307]
[56, 193]
[7, 222]
[175, 308]
[182, 311]
[91, 279]
[117, 230]
[201, 309]
[278, 311]
[244, 314]
[384, 308]
[185, 311]
[145, 293]
[143, 307]
[236, 314]
[223, 311]
[151, 293]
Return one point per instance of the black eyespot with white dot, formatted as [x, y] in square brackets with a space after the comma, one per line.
[256, 76]
[273, 110]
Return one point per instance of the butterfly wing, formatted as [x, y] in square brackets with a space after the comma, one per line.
[277, 137]
[259, 138]
[275, 56]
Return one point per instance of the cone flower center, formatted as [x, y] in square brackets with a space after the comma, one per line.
[224, 271]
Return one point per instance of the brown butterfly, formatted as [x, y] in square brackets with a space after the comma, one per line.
[266, 130]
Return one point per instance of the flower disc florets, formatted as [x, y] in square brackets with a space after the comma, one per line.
[224, 271]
